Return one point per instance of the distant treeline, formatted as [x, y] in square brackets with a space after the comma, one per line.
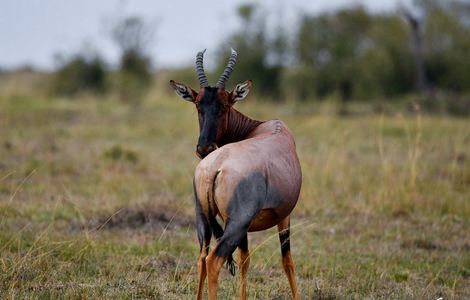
[353, 54]
[348, 54]
[88, 72]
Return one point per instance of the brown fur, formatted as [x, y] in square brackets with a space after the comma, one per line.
[268, 149]
[244, 150]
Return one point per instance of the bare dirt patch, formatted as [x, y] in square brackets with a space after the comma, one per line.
[422, 244]
[152, 217]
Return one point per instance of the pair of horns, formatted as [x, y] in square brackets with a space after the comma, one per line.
[203, 82]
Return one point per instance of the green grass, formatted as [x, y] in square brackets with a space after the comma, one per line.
[96, 202]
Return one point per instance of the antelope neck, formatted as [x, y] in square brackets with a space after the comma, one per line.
[239, 127]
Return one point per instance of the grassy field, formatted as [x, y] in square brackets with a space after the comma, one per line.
[96, 202]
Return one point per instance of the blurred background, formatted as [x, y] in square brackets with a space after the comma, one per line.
[343, 51]
[97, 151]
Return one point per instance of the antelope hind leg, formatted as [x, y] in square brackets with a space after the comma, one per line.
[287, 261]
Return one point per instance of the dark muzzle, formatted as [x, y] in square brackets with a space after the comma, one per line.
[203, 151]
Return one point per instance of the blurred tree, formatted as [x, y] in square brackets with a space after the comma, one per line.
[84, 72]
[388, 63]
[416, 26]
[133, 36]
[329, 46]
[447, 45]
[256, 49]
[353, 54]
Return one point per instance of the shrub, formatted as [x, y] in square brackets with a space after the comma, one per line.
[80, 74]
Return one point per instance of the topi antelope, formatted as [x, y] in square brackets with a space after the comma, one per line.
[249, 176]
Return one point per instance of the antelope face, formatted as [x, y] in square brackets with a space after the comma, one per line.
[213, 106]
[212, 103]
[212, 114]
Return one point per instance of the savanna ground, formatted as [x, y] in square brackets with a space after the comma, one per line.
[96, 202]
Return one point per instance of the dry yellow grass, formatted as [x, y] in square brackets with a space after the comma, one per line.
[96, 202]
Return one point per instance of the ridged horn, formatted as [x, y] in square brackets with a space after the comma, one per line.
[200, 69]
[228, 70]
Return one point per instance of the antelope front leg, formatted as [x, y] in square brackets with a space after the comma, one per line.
[244, 262]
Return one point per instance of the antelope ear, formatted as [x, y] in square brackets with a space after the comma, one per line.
[241, 91]
[183, 91]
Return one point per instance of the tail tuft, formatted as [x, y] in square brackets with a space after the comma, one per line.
[231, 265]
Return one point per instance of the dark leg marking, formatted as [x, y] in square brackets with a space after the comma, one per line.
[203, 227]
[216, 228]
[244, 205]
[244, 264]
[244, 243]
[287, 261]
[285, 241]
[218, 233]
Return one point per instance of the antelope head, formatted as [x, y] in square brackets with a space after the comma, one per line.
[213, 104]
